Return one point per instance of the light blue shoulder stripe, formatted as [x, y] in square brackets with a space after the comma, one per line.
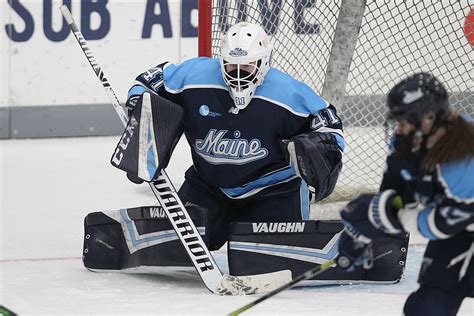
[457, 179]
[199, 72]
[285, 91]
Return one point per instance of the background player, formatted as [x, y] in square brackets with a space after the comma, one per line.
[430, 171]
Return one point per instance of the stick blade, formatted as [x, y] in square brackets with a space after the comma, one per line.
[253, 284]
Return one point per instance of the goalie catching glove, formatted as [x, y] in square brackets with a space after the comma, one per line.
[317, 160]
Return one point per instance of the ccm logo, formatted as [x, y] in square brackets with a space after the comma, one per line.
[124, 141]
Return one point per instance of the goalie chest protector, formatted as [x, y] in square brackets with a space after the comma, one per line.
[256, 248]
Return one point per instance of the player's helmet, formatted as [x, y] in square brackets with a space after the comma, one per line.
[417, 96]
[245, 60]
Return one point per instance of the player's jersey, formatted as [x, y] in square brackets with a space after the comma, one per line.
[240, 153]
[447, 220]
[442, 210]
[447, 193]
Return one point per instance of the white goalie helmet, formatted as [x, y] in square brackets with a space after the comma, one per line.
[245, 61]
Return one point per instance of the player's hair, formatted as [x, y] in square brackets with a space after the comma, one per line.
[456, 144]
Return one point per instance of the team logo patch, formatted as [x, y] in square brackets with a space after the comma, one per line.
[412, 96]
[204, 111]
[238, 52]
[216, 149]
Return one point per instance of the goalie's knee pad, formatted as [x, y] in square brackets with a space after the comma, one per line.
[256, 248]
[141, 236]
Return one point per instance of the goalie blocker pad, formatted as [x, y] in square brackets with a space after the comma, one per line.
[141, 236]
[256, 248]
[152, 132]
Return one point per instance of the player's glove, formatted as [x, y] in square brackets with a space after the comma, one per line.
[354, 253]
[383, 210]
[356, 239]
[356, 222]
[362, 223]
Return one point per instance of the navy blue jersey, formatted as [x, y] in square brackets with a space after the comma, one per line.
[446, 194]
[401, 174]
[446, 218]
[240, 153]
[439, 205]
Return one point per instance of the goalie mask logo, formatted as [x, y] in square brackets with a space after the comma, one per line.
[216, 149]
[238, 52]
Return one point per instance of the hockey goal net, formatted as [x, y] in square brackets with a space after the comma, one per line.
[352, 52]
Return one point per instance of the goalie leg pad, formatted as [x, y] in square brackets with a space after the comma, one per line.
[150, 137]
[256, 248]
[141, 236]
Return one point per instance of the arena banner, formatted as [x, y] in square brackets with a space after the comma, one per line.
[41, 64]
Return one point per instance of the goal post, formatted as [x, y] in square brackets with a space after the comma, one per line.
[352, 52]
[205, 28]
[346, 33]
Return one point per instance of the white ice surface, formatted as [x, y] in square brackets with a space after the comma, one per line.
[48, 186]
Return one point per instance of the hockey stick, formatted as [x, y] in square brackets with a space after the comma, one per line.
[305, 276]
[184, 227]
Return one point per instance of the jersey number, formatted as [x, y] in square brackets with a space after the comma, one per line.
[324, 118]
[240, 101]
